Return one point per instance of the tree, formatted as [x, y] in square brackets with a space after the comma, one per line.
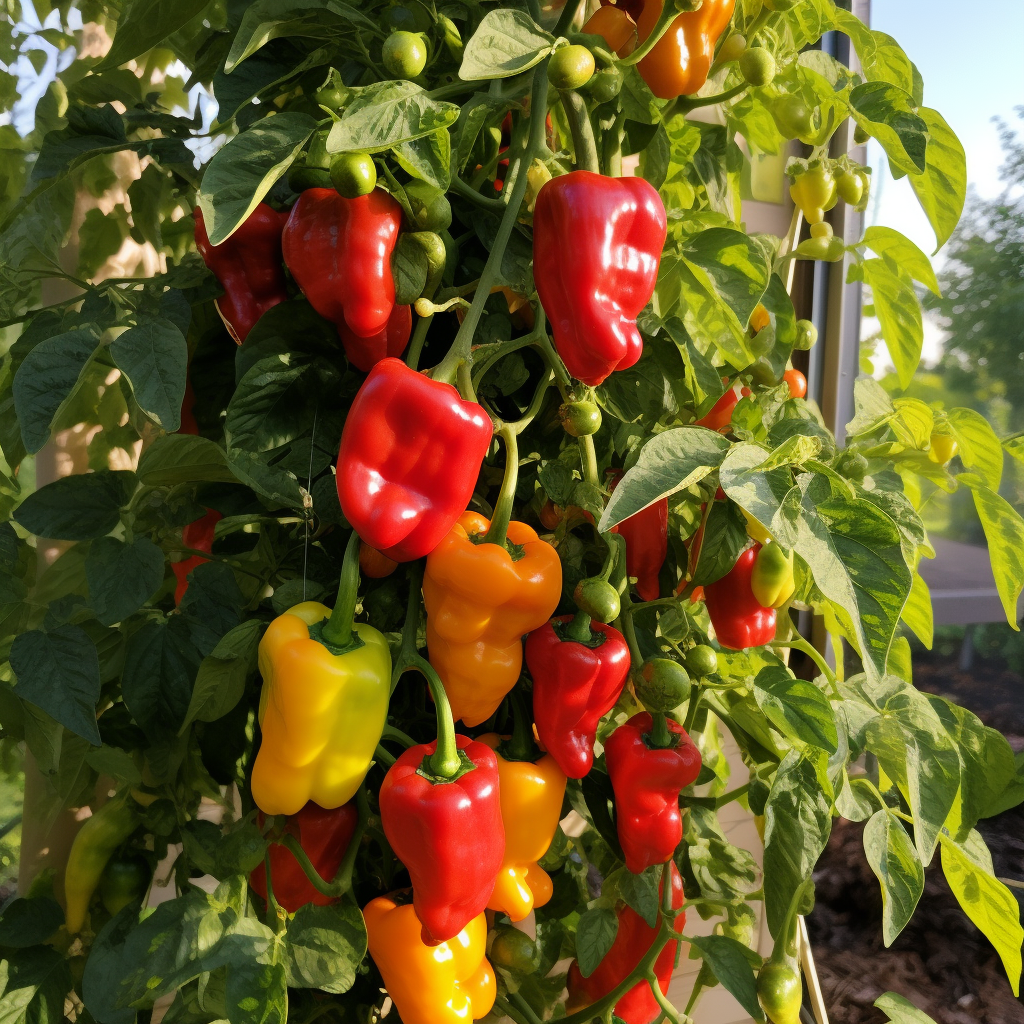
[605, 428]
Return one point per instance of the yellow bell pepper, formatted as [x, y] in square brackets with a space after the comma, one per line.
[480, 602]
[451, 983]
[321, 713]
[531, 806]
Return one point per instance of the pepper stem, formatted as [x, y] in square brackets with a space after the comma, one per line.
[582, 131]
[521, 746]
[669, 12]
[498, 530]
[660, 735]
[338, 630]
[579, 628]
[445, 761]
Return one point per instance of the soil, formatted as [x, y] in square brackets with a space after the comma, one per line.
[940, 962]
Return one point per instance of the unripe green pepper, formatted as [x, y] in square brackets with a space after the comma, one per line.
[793, 118]
[514, 950]
[812, 190]
[757, 66]
[780, 991]
[353, 174]
[830, 250]
[771, 579]
[605, 85]
[570, 67]
[404, 54]
[580, 419]
[701, 660]
[732, 48]
[850, 188]
[94, 845]
[661, 684]
[806, 335]
[124, 880]
[598, 598]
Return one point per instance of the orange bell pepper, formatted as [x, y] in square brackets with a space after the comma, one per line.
[480, 602]
[451, 983]
[616, 27]
[680, 61]
[531, 806]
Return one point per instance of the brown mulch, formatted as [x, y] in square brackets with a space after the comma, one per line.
[940, 962]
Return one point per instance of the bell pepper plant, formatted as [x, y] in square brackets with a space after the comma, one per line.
[428, 374]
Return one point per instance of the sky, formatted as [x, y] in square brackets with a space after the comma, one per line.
[970, 57]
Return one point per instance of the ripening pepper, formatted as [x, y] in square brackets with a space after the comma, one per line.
[365, 353]
[450, 983]
[480, 603]
[680, 61]
[814, 191]
[531, 805]
[771, 580]
[574, 686]
[632, 941]
[248, 266]
[410, 454]
[616, 27]
[646, 537]
[647, 781]
[97, 840]
[448, 833]
[321, 713]
[324, 835]
[597, 244]
[339, 252]
[720, 416]
[740, 620]
[199, 537]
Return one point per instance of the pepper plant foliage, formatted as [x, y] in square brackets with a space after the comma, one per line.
[104, 676]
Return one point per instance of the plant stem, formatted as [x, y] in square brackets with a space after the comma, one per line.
[589, 457]
[583, 144]
[521, 746]
[684, 104]
[464, 189]
[419, 336]
[391, 733]
[498, 529]
[339, 626]
[462, 346]
[660, 735]
[381, 754]
[445, 761]
[800, 644]
[565, 18]
[579, 628]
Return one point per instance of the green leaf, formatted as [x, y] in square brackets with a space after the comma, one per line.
[900, 1010]
[733, 965]
[990, 905]
[892, 857]
[154, 358]
[942, 188]
[159, 663]
[980, 448]
[183, 458]
[47, 378]
[428, 158]
[854, 552]
[889, 114]
[265, 20]
[221, 680]
[721, 869]
[595, 935]
[38, 981]
[271, 406]
[797, 822]
[115, 762]
[257, 992]
[796, 707]
[725, 537]
[26, 922]
[1004, 531]
[889, 242]
[873, 407]
[277, 487]
[325, 947]
[59, 671]
[244, 171]
[670, 461]
[899, 314]
[144, 24]
[767, 494]
[78, 507]
[122, 577]
[641, 892]
[506, 42]
[386, 114]
[917, 612]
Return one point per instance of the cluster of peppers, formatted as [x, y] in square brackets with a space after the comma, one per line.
[471, 818]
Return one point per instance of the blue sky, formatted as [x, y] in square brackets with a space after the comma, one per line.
[970, 56]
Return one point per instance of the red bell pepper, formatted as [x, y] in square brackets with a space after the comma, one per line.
[646, 537]
[574, 686]
[365, 353]
[339, 252]
[410, 454]
[324, 836]
[740, 620]
[248, 266]
[449, 834]
[632, 942]
[647, 781]
[597, 244]
[199, 537]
